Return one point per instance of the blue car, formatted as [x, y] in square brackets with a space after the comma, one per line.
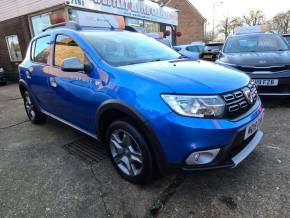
[156, 111]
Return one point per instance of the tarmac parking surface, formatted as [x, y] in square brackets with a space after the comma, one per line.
[52, 170]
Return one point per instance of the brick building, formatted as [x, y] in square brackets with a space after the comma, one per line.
[191, 23]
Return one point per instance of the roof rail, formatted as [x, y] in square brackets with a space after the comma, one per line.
[69, 25]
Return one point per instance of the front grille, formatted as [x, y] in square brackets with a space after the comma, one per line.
[237, 103]
[270, 68]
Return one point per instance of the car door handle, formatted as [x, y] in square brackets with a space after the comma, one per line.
[52, 82]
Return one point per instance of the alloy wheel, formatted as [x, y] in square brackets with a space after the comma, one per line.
[29, 107]
[126, 153]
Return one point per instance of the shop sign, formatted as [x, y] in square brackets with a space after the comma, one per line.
[141, 9]
[100, 20]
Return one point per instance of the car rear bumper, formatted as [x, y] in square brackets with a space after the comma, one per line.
[209, 56]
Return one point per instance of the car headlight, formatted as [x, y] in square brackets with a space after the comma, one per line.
[196, 106]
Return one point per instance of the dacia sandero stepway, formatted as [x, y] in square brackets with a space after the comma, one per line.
[155, 110]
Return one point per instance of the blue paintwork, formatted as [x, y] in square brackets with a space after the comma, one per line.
[77, 98]
[181, 135]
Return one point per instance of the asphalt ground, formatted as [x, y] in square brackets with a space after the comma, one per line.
[52, 170]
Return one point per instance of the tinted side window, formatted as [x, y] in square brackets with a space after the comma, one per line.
[192, 49]
[42, 49]
[66, 47]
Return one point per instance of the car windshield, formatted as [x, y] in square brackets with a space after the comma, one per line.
[165, 42]
[255, 43]
[125, 48]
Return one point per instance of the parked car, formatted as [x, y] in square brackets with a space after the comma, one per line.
[3, 80]
[211, 51]
[263, 56]
[155, 111]
[191, 50]
[287, 37]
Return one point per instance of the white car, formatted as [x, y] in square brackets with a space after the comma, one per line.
[192, 50]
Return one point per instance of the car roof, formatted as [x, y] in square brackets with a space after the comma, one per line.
[253, 34]
[186, 45]
[73, 27]
[70, 31]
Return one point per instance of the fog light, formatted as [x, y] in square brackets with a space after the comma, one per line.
[202, 157]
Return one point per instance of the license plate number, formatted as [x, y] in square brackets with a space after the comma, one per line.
[266, 82]
[208, 56]
[254, 126]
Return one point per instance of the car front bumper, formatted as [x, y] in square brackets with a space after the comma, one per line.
[181, 136]
[283, 87]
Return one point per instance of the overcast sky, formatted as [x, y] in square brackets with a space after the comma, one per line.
[239, 7]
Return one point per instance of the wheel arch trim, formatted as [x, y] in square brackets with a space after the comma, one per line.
[24, 84]
[143, 125]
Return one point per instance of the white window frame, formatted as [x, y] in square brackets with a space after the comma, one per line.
[9, 49]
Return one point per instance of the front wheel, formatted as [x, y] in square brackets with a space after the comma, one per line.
[129, 152]
[34, 115]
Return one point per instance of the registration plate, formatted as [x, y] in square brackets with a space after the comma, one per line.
[208, 56]
[266, 82]
[254, 126]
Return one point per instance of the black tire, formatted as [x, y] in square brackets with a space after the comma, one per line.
[33, 113]
[146, 172]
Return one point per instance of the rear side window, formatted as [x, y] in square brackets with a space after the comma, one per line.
[192, 49]
[66, 47]
[41, 49]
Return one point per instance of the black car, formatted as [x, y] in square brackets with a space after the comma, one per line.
[287, 37]
[3, 80]
[263, 56]
[211, 51]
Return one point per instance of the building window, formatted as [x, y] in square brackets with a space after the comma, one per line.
[143, 26]
[14, 48]
[151, 27]
[42, 21]
[41, 50]
[136, 24]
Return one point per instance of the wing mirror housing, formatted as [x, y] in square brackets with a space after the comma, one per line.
[72, 65]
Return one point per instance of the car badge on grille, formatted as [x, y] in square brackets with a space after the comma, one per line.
[262, 62]
[250, 96]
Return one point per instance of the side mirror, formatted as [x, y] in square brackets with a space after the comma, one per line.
[72, 65]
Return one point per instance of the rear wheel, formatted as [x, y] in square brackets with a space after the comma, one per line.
[34, 115]
[129, 152]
